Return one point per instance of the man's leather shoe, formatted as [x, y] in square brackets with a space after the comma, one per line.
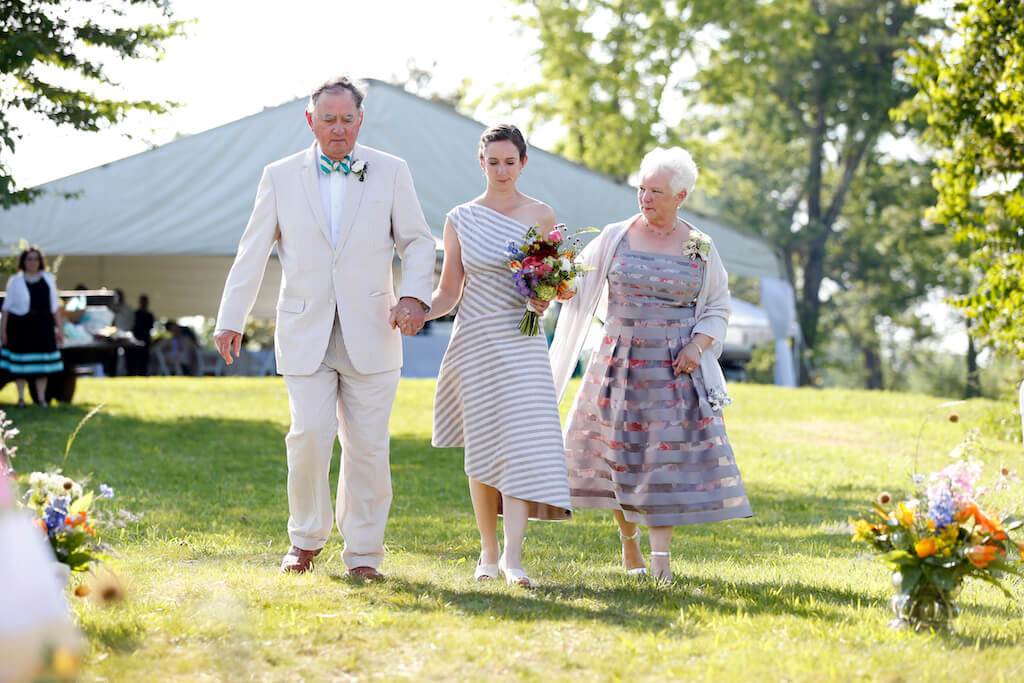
[365, 573]
[298, 561]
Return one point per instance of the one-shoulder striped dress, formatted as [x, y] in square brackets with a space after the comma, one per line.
[495, 395]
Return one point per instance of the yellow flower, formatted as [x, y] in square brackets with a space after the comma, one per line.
[862, 529]
[905, 514]
[65, 663]
[925, 547]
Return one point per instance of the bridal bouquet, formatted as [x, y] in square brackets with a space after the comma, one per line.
[938, 537]
[542, 268]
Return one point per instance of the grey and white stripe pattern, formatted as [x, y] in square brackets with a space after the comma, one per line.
[495, 396]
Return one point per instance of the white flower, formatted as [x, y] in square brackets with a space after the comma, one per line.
[358, 165]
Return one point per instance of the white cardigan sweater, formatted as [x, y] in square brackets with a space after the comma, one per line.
[17, 300]
[712, 312]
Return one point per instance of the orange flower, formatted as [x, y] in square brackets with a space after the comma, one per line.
[39, 524]
[966, 511]
[925, 547]
[981, 555]
[77, 520]
[990, 524]
[515, 265]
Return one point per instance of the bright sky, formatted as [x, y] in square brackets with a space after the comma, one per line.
[243, 55]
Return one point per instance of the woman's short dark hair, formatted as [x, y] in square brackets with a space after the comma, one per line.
[24, 255]
[503, 131]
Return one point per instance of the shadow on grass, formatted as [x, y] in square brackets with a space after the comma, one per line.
[198, 478]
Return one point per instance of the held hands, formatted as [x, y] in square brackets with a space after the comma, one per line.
[408, 315]
[538, 306]
[687, 360]
[228, 341]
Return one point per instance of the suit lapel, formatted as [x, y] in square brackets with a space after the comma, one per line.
[311, 186]
[353, 197]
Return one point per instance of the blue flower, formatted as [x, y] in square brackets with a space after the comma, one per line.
[56, 512]
[940, 507]
[106, 491]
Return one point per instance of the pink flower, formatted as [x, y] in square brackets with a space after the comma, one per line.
[555, 236]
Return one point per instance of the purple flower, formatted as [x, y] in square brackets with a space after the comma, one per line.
[106, 491]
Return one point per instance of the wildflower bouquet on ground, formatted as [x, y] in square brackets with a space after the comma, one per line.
[62, 510]
[938, 537]
[542, 268]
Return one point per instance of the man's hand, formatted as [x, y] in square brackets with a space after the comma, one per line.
[228, 341]
[408, 315]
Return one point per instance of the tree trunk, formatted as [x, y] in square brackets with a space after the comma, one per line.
[873, 368]
[973, 388]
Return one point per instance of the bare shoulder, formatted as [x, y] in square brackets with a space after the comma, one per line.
[540, 214]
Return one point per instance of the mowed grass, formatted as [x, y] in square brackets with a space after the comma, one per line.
[782, 596]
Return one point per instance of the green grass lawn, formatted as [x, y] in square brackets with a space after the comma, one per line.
[782, 596]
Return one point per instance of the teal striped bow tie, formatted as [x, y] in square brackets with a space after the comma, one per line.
[344, 166]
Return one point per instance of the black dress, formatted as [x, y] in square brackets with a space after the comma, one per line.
[31, 339]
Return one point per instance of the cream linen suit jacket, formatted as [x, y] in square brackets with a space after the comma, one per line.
[380, 214]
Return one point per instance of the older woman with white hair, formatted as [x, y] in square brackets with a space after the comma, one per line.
[645, 436]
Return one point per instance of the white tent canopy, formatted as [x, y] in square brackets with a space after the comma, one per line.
[167, 221]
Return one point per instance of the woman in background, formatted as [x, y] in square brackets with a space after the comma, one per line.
[30, 328]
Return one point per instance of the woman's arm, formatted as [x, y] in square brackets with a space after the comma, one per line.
[453, 276]
[714, 319]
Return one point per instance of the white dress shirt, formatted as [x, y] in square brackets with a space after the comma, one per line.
[332, 197]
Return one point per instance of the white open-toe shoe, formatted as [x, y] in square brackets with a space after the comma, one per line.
[513, 577]
[485, 572]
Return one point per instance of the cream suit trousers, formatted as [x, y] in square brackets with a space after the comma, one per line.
[335, 394]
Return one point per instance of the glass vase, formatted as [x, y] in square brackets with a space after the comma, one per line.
[927, 607]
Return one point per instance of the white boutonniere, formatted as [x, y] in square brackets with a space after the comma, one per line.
[359, 168]
[698, 246]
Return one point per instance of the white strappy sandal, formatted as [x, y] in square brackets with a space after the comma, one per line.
[666, 554]
[514, 577]
[635, 571]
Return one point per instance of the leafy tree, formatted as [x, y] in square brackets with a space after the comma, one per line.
[886, 258]
[972, 95]
[49, 48]
[791, 100]
[606, 68]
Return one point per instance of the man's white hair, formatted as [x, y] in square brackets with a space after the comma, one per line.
[677, 161]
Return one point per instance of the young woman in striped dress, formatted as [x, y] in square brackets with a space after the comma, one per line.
[495, 395]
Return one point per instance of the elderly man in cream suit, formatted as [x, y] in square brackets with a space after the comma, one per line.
[337, 212]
